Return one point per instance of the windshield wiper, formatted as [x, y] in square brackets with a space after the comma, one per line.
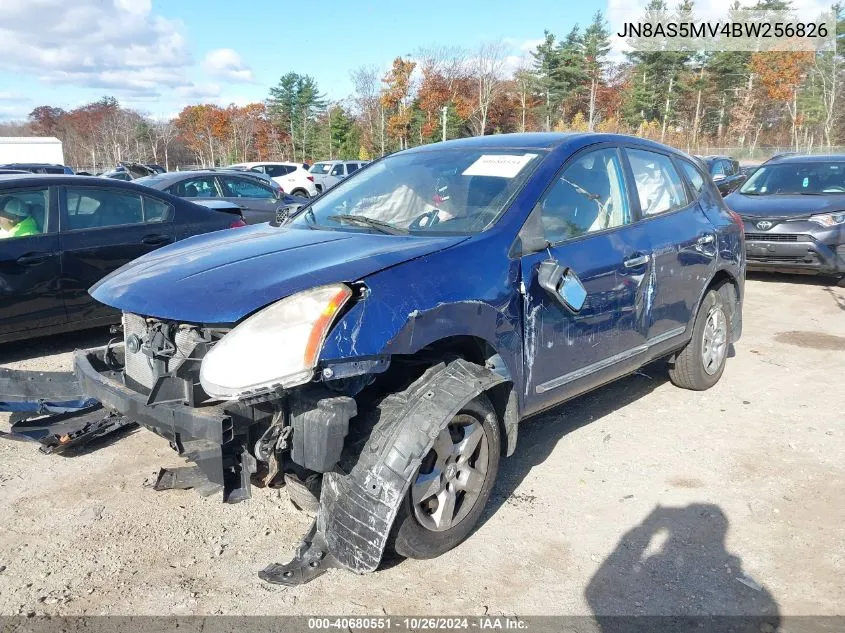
[362, 220]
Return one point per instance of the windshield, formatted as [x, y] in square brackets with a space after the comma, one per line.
[796, 178]
[447, 190]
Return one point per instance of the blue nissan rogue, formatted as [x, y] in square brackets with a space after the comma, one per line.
[379, 347]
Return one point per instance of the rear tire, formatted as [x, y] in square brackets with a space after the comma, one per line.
[460, 476]
[700, 364]
[300, 192]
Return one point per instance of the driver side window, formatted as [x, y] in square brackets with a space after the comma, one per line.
[588, 196]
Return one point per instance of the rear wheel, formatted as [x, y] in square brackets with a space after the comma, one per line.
[701, 363]
[453, 484]
[300, 192]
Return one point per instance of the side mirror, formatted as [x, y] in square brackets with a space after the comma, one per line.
[285, 213]
[562, 284]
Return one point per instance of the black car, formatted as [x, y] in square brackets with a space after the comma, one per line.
[258, 197]
[39, 168]
[83, 229]
[794, 213]
[725, 172]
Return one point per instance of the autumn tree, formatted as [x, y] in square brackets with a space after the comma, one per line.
[396, 99]
[781, 74]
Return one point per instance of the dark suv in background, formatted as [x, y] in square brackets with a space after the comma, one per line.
[725, 172]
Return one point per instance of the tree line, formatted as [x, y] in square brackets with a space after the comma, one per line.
[569, 82]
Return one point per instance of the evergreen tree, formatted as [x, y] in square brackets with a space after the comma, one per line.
[294, 104]
[596, 48]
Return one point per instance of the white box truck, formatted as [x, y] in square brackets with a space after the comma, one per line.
[31, 149]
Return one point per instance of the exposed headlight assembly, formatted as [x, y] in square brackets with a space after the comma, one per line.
[829, 219]
[278, 345]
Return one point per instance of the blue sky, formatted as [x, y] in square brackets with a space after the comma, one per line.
[159, 56]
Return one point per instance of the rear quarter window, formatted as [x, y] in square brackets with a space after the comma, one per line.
[694, 176]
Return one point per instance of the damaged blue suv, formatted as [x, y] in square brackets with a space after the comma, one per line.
[381, 345]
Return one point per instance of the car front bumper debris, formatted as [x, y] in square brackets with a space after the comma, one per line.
[357, 508]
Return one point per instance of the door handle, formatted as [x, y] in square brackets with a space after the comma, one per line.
[33, 259]
[635, 262]
[155, 240]
[705, 239]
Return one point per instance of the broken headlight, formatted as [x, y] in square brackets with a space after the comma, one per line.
[277, 346]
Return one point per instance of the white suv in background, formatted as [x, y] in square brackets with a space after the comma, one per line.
[327, 173]
[293, 178]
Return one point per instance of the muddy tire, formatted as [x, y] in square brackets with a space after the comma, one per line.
[452, 486]
[700, 364]
[304, 495]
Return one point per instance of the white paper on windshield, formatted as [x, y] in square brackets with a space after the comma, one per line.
[500, 165]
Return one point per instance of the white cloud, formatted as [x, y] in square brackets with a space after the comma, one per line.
[227, 64]
[120, 46]
[7, 98]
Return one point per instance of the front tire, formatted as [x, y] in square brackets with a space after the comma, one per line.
[700, 364]
[453, 484]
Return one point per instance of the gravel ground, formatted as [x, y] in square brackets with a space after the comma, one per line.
[639, 498]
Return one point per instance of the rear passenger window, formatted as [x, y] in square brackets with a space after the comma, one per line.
[195, 188]
[23, 213]
[350, 167]
[588, 196]
[274, 171]
[97, 208]
[659, 186]
[156, 210]
[694, 176]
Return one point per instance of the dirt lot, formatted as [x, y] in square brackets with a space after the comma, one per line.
[638, 498]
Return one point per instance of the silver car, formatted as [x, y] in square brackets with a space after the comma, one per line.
[257, 196]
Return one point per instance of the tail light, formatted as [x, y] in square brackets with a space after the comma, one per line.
[311, 178]
[237, 224]
[738, 221]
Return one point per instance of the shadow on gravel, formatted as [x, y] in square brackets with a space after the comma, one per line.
[49, 345]
[675, 563]
[538, 436]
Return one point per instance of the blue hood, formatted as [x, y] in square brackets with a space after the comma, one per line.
[222, 277]
[784, 206]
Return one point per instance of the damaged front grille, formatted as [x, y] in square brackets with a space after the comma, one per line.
[155, 348]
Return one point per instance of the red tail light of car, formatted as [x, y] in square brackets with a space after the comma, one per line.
[237, 224]
[311, 178]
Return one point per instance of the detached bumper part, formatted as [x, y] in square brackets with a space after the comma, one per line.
[205, 436]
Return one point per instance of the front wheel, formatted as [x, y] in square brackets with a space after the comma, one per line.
[700, 364]
[453, 484]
